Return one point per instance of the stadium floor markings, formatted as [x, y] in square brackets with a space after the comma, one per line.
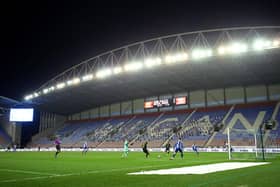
[201, 169]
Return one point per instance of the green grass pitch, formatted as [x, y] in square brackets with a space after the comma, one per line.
[100, 169]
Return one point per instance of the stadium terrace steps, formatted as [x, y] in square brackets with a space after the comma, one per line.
[211, 139]
[184, 122]
[241, 117]
[273, 117]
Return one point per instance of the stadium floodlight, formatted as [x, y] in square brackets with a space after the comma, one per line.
[258, 44]
[28, 97]
[46, 90]
[104, 73]
[87, 77]
[73, 81]
[70, 82]
[52, 88]
[222, 50]
[237, 48]
[261, 44]
[117, 70]
[276, 43]
[60, 85]
[178, 57]
[36, 94]
[151, 62]
[76, 80]
[133, 66]
[209, 53]
[201, 53]
[234, 48]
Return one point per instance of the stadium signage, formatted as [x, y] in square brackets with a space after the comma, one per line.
[165, 102]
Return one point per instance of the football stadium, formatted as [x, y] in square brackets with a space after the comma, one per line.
[199, 108]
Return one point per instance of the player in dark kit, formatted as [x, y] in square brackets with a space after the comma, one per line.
[167, 147]
[145, 149]
[57, 146]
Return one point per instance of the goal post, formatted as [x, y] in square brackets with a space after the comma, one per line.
[242, 144]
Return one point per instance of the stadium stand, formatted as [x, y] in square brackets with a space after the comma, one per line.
[272, 136]
[5, 139]
[244, 116]
[200, 127]
[203, 126]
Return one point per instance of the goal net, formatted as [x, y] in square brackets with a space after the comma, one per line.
[244, 144]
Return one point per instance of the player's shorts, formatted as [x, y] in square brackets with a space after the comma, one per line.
[57, 147]
[145, 151]
[178, 149]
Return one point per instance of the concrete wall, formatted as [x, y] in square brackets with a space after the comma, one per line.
[256, 93]
[195, 99]
[235, 95]
[274, 92]
[215, 97]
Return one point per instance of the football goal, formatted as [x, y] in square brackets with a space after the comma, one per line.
[245, 144]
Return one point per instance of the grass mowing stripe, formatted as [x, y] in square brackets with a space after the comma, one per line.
[26, 172]
[90, 172]
[80, 173]
[228, 178]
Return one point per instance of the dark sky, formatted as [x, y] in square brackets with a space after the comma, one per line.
[41, 39]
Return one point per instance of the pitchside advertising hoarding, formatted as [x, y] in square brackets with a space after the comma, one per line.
[165, 102]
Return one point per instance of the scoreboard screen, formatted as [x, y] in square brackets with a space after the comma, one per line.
[180, 100]
[165, 102]
[21, 114]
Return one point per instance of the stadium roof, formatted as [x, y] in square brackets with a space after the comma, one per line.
[178, 63]
[6, 104]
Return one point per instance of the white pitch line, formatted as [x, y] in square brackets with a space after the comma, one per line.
[27, 172]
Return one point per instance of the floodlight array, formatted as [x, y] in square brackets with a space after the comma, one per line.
[117, 70]
[151, 62]
[133, 66]
[103, 73]
[196, 54]
[174, 58]
[261, 44]
[201, 53]
[234, 48]
[73, 81]
[60, 85]
[87, 77]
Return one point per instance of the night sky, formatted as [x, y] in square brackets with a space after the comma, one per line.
[41, 39]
